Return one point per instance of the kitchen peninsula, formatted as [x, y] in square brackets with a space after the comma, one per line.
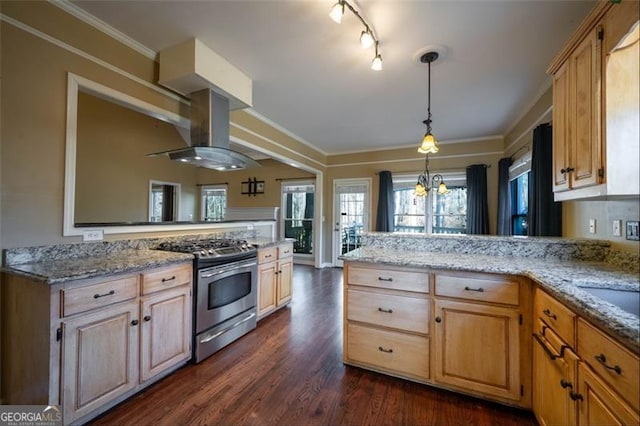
[459, 312]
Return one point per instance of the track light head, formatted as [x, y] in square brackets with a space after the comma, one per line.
[366, 39]
[337, 11]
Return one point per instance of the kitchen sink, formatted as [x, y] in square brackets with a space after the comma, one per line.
[628, 301]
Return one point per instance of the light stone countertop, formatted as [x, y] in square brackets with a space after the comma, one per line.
[62, 270]
[561, 278]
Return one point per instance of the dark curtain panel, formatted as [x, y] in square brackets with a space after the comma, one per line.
[504, 197]
[308, 209]
[384, 219]
[477, 206]
[545, 215]
[167, 203]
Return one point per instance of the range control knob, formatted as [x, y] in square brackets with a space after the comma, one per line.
[203, 253]
[211, 251]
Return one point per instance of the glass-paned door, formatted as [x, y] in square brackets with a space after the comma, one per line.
[351, 215]
[297, 215]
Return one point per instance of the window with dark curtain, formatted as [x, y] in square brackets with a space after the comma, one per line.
[477, 205]
[384, 218]
[545, 215]
[504, 197]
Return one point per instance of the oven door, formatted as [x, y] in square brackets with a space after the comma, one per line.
[224, 292]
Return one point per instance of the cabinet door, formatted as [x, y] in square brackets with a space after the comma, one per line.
[585, 119]
[285, 273]
[478, 348]
[599, 405]
[561, 136]
[266, 287]
[553, 380]
[99, 358]
[165, 331]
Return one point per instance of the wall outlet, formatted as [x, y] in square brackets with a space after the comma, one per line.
[632, 230]
[617, 228]
[592, 226]
[93, 235]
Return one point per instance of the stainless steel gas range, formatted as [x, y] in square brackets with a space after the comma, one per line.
[225, 291]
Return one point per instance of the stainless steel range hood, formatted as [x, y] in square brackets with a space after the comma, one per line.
[209, 136]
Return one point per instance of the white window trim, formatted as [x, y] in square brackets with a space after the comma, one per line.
[283, 213]
[178, 195]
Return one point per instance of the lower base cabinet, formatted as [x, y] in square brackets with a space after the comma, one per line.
[599, 405]
[99, 359]
[477, 348]
[86, 345]
[275, 275]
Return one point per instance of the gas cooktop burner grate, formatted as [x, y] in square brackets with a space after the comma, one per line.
[209, 248]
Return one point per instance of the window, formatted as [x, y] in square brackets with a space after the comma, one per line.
[519, 173]
[520, 204]
[213, 202]
[164, 201]
[297, 215]
[446, 213]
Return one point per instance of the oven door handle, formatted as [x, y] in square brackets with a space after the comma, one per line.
[221, 332]
[228, 269]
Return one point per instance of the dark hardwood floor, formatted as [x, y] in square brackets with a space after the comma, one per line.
[289, 371]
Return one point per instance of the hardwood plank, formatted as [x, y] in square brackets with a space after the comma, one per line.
[289, 371]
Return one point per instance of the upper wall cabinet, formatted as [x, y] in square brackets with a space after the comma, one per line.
[596, 107]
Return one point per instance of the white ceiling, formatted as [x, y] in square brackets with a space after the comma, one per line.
[312, 78]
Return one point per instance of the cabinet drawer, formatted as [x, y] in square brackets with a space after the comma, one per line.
[398, 352]
[614, 364]
[164, 278]
[285, 250]
[81, 299]
[497, 289]
[554, 314]
[389, 278]
[389, 310]
[267, 254]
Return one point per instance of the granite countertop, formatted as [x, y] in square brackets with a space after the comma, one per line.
[265, 242]
[561, 278]
[63, 270]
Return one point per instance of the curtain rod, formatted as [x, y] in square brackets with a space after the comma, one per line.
[296, 178]
[207, 184]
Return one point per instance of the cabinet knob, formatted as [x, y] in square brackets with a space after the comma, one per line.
[565, 384]
[438, 319]
[134, 322]
[575, 396]
[147, 318]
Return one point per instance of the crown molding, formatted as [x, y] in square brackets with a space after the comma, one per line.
[102, 26]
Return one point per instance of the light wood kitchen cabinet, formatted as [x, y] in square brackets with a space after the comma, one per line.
[99, 358]
[593, 382]
[599, 404]
[165, 333]
[275, 276]
[387, 320]
[89, 344]
[478, 338]
[583, 153]
[555, 363]
[477, 348]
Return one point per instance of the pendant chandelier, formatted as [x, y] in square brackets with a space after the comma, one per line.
[429, 143]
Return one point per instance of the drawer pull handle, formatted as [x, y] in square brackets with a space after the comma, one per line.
[98, 296]
[388, 311]
[164, 280]
[548, 351]
[479, 289]
[147, 318]
[267, 256]
[385, 279]
[565, 384]
[381, 349]
[548, 313]
[575, 396]
[603, 360]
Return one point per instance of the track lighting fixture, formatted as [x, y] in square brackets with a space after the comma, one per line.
[367, 37]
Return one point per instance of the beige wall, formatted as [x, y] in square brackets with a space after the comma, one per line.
[33, 102]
